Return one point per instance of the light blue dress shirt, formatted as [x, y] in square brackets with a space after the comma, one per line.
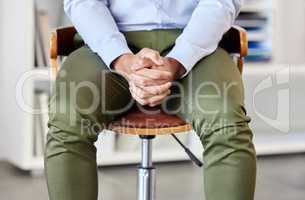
[100, 23]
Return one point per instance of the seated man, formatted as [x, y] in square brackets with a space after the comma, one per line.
[156, 52]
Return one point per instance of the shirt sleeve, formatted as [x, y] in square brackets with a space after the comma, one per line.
[209, 21]
[95, 24]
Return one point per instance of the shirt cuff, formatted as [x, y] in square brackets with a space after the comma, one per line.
[112, 49]
[188, 55]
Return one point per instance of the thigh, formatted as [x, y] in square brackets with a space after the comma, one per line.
[213, 90]
[86, 89]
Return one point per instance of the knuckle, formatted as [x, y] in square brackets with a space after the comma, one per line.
[156, 54]
[144, 82]
[152, 101]
[163, 88]
[138, 57]
[144, 102]
[145, 49]
[155, 91]
[141, 95]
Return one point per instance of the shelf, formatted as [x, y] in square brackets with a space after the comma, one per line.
[254, 18]
[257, 36]
[277, 144]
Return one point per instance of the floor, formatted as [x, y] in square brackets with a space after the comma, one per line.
[279, 178]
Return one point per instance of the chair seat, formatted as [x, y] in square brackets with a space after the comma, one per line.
[152, 121]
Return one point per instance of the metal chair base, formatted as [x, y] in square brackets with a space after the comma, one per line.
[146, 171]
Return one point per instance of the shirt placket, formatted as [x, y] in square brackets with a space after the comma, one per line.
[158, 5]
[156, 38]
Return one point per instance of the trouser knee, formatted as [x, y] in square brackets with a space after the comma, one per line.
[61, 142]
[223, 135]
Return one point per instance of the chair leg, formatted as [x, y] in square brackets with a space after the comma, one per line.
[146, 171]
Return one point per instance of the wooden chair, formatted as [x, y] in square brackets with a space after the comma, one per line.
[136, 122]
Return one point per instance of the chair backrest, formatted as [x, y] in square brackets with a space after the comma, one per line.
[62, 44]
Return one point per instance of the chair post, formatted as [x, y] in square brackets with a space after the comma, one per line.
[54, 54]
[146, 171]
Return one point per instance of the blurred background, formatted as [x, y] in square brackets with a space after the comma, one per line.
[274, 76]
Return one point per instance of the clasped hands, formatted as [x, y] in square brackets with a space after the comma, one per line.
[150, 75]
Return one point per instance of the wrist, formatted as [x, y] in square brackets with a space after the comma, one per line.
[122, 63]
[177, 67]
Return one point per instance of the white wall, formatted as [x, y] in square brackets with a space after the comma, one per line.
[289, 31]
[1, 69]
[55, 11]
[16, 57]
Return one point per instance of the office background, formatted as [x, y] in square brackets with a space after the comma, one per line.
[274, 77]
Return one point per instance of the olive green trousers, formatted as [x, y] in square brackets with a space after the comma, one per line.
[87, 96]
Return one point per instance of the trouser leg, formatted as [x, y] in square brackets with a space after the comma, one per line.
[84, 98]
[211, 99]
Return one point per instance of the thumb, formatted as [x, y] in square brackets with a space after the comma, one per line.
[144, 62]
